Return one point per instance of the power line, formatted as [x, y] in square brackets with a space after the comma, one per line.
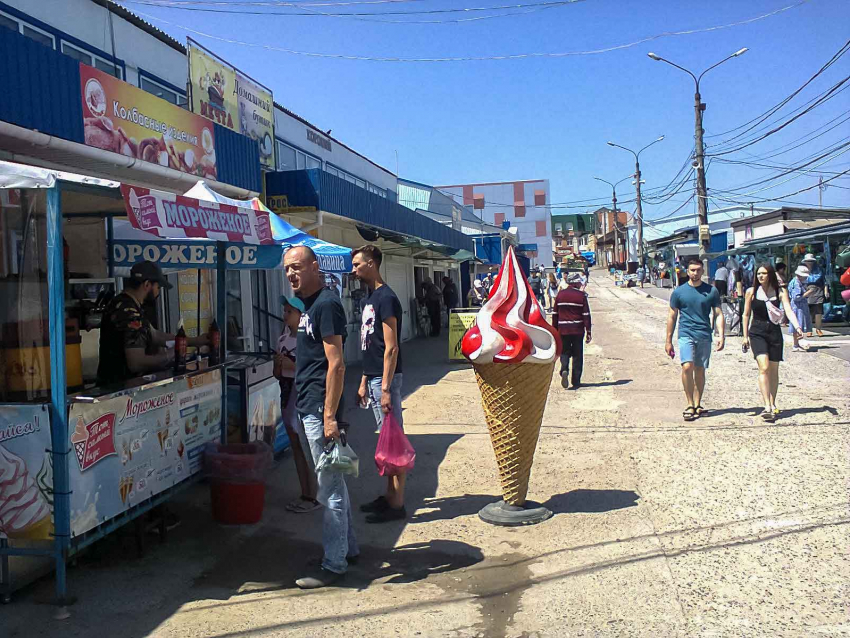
[760, 118]
[517, 9]
[515, 56]
[782, 197]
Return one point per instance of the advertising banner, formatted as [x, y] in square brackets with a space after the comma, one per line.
[256, 116]
[223, 94]
[124, 119]
[26, 473]
[193, 307]
[175, 216]
[265, 420]
[459, 323]
[134, 446]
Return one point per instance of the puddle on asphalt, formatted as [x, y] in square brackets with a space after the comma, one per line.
[496, 586]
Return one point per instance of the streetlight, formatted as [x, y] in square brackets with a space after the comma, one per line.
[699, 152]
[637, 192]
[605, 217]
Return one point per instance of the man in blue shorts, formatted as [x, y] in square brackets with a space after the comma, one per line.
[692, 304]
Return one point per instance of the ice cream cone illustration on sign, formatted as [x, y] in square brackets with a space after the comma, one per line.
[513, 350]
[24, 510]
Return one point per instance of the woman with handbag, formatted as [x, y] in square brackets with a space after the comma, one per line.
[765, 302]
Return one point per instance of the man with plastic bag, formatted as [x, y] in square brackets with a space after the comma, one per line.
[380, 386]
[319, 377]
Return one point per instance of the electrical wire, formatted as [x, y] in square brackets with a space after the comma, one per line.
[776, 129]
[761, 118]
[515, 56]
[781, 198]
[508, 10]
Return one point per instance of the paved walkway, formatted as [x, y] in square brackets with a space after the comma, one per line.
[727, 526]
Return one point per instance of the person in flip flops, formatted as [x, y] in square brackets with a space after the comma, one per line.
[284, 371]
[691, 305]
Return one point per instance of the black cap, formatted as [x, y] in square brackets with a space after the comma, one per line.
[149, 271]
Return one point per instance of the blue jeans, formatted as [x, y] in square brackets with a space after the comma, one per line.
[375, 399]
[338, 539]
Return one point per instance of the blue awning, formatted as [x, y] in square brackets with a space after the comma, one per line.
[314, 190]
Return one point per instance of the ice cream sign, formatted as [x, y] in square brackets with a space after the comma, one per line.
[174, 217]
[94, 441]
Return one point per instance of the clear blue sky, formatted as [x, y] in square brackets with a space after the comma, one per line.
[550, 117]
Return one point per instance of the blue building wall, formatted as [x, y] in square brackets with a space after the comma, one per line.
[323, 191]
[41, 91]
[41, 87]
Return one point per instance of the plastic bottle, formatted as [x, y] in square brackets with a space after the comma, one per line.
[215, 343]
[180, 343]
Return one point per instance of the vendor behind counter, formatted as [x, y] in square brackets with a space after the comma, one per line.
[129, 344]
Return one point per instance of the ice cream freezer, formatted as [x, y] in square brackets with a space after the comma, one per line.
[253, 403]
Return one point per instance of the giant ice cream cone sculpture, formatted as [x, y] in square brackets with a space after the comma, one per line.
[513, 350]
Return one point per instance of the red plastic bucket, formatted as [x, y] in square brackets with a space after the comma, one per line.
[237, 503]
[237, 485]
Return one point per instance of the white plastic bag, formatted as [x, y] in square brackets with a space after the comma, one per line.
[339, 457]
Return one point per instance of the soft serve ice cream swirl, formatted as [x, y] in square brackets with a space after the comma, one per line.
[21, 503]
[511, 326]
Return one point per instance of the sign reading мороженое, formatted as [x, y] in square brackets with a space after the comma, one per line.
[173, 254]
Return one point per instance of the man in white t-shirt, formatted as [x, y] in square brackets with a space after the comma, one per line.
[284, 371]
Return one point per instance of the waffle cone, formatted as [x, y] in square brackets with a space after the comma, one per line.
[514, 398]
[40, 530]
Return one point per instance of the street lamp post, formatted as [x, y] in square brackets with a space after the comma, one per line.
[605, 218]
[639, 212]
[699, 152]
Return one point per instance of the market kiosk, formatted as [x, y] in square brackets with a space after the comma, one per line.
[79, 461]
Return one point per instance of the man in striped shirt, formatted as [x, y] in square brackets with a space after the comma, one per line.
[573, 321]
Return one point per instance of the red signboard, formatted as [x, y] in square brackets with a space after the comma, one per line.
[175, 217]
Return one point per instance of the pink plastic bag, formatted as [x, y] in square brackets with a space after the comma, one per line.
[394, 454]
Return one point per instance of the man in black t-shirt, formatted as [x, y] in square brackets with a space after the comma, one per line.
[319, 377]
[381, 383]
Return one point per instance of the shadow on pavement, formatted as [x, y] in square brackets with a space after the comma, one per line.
[602, 384]
[573, 502]
[592, 501]
[204, 560]
[796, 411]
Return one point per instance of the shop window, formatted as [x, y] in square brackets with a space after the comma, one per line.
[155, 88]
[312, 162]
[38, 35]
[286, 160]
[9, 23]
[92, 60]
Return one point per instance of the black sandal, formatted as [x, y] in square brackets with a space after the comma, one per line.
[701, 411]
[690, 413]
[768, 415]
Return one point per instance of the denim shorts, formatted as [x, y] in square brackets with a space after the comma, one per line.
[696, 351]
[374, 387]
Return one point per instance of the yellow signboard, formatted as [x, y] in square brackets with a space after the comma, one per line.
[280, 205]
[190, 303]
[459, 323]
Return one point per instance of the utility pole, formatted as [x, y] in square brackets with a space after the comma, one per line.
[821, 188]
[639, 211]
[699, 148]
[614, 199]
[699, 153]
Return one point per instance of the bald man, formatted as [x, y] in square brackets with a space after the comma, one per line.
[319, 377]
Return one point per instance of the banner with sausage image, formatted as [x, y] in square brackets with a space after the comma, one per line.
[122, 118]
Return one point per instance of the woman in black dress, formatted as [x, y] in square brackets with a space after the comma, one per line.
[764, 335]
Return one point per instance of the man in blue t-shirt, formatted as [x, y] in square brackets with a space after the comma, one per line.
[692, 304]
